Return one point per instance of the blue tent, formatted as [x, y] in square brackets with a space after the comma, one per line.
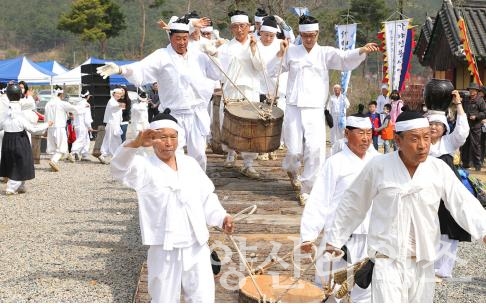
[53, 66]
[73, 77]
[21, 68]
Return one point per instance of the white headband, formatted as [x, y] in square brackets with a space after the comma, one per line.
[439, 118]
[207, 29]
[240, 19]
[177, 26]
[118, 90]
[259, 19]
[358, 122]
[85, 94]
[164, 123]
[309, 27]
[411, 124]
[59, 91]
[266, 28]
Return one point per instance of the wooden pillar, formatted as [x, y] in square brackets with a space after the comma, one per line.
[215, 125]
[100, 134]
[36, 148]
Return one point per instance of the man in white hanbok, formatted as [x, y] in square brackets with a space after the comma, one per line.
[56, 111]
[337, 173]
[82, 126]
[307, 91]
[139, 120]
[185, 79]
[112, 118]
[404, 230]
[337, 105]
[176, 201]
[267, 47]
[241, 64]
[382, 99]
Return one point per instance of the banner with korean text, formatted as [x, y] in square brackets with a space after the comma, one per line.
[346, 40]
[397, 45]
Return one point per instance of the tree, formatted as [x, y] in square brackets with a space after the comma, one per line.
[93, 20]
[368, 14]
[143, 20]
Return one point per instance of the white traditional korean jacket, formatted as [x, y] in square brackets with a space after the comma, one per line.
[184, 81]
[308, 80]
[335, 176]
[242, 67]
[400, 201]
[174, 206]
[267, 54]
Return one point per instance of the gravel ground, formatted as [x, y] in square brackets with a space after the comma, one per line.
[74, 237]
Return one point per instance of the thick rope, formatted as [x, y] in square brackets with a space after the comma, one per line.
[239, 216]
[261, 114]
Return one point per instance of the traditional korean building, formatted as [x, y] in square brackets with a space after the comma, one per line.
[439, 45]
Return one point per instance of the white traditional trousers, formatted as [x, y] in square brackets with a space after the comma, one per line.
[336, 133]
[358, 247]
[305, 138]
[82, 142]
[13, 185]
[195, 135]
[446, 257]
[188, 269]
[393, 282]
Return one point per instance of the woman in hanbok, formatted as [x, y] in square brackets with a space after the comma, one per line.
[443, 145]
[17, 163]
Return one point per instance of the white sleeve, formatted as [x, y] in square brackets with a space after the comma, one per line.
[337, 59]
[127, 167]
[213, 210]
[144, 71]
[458, 137]
[354, 205]
[318, 206]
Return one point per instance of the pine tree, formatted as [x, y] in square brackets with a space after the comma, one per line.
[93, 20]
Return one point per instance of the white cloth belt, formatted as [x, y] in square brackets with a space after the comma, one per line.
[404, 219]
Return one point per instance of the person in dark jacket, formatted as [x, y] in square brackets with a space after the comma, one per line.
[475, 109]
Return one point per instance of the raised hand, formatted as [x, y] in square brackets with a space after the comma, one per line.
[110, 68]
[201, 22]
[369, 48]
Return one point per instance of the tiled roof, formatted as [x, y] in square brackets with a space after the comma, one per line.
[443, 49]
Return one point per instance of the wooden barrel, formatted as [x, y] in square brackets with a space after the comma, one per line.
[272, 286]
[244, 131]
[215, 141]
[100, 134]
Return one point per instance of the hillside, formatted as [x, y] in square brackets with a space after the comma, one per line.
[31, 27]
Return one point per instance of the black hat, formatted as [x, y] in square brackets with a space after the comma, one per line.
[165, 115]
[192, 15]
[14, 93]
[474, 86]
[260, 12]
[269, 24]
